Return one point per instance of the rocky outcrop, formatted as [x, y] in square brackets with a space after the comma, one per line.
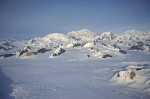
[6, 46]
[98, 54]
[122, 51]
[26, 52]
[43, 50]
[128, 75]
[77, 45]
[106, 55]
[140, 46]
[57, 52]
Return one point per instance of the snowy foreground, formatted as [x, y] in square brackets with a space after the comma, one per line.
[76, 67]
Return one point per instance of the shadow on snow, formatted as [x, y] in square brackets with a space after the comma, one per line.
[5, 88]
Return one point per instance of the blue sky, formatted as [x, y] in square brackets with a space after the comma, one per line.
[32, 18]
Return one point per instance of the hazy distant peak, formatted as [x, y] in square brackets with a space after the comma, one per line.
[107, 36]
[133, 31]
[83, 34]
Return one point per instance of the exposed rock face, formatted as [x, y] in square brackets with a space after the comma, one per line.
[26, 52]
[116, 47]
[57, 52]
[98, 53]
[43, 50]
[77, 45]
[6, 46]
[122, 51]
[119, 49]
[127, 76]
[106, 55]
[88, 56]
[140, 46]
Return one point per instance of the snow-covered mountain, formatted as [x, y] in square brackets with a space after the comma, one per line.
[84, 35]
[107, 36]
[129, 35]
[83, 38]
[54, 39]
[50, 40]
[133, 35]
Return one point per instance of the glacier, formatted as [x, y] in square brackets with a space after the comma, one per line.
[86, 65]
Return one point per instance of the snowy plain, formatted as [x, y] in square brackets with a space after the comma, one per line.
[73, 75]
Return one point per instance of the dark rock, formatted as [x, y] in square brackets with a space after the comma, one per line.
[8, 55]
[138, 46]
[2, 47]
[42, 50]
[54, 54]
[91, 48]
[77, 45]
[8, 44]
[140, 43]
[106, 55]
[122, 51]
[61, 51]
[118, 75]
[26, 52]
[22, 52]
[104, 44]
[132, 74]
[58, 52]
[115, 46]
[88, 56]
[138, 69]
